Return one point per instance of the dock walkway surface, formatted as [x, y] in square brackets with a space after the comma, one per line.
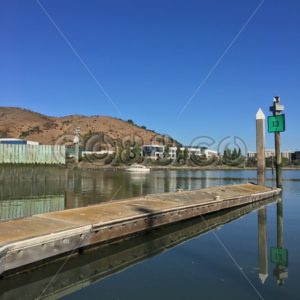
[29, 240]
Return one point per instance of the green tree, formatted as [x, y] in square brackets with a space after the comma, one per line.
[227, 154]
[185, 154]
[136, 150]
[166, 151]
[178, 153]
[285, 162]
[130, 122]
[137, 153]
[234, 154]
[251, 162]
[270, 162]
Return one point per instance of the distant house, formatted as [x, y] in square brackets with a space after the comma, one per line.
[287, 154]
[201, 151]
[296, 156]
[153, 151]
[12, 141]
[172, 152]
[194, 151]
[70, 152]
[251, 154]
[210, 153]
[269, 153]
[197, 151]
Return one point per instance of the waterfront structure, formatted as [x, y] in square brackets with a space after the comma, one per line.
[194, 151]
[153, 151]
[118, 256]
[198, 151]
[287, 154]
[251, 154]
[13, 141]
[172, 152]
[22, 152]
[295, 155]
[39, 237]
[271, 153]
[210, 153]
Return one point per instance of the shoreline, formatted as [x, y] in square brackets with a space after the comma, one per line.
[91, 167]
[84, 166]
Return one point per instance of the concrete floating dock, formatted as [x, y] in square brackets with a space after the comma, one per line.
[104, 260]
[29, 240]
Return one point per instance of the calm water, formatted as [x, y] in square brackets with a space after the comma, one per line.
[223, 256]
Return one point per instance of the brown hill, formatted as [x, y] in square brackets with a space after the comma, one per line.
[23, 123]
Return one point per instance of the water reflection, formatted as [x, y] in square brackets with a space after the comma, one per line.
[20, 208]
[262, 244]
[278, 254]
[280, 271]
[94, 264]
[26, 191]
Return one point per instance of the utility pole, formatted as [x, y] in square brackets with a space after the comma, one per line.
[260, 146]
[76, 143]
[276, 124]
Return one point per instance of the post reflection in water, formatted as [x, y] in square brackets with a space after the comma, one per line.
[262, 244]
[279, 253]
[280, 271]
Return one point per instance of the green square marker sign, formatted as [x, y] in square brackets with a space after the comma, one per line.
[279, 256]
[276, 123]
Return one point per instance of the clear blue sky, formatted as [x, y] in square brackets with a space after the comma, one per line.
[150, 57]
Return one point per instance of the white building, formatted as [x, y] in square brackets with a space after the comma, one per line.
[193, 151]
[210, 153]
[172, 152]
[287, 154]
[13, 141]
[153, 151]
[269, 153]
[251, 154]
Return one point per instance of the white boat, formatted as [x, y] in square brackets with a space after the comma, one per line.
[136, 168]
